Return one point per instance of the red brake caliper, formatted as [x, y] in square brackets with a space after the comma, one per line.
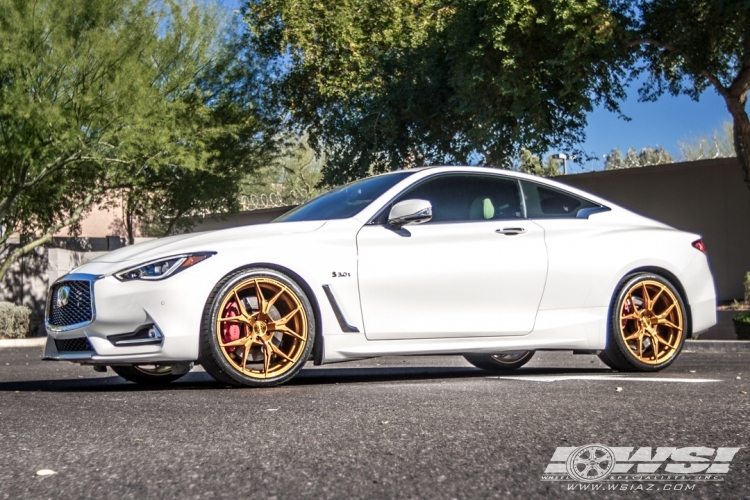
[230, 331]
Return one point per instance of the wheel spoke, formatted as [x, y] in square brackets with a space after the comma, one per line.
[669, 324]
[273, 300]
[245, 355]
[240, 304]
[238, 319]
[645, 298]
[235, 343]
[279, 352]
[655, 345]
[667, 310]
[261, 299]
[266, 360]
[599, 469]
[667, 343]
[283, 321]
[655, 297]
[288, 331]
[640, 345]
[632, 302]
[633, 336]
[629, 316]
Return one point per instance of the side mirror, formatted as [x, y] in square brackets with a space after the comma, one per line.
[408, 212]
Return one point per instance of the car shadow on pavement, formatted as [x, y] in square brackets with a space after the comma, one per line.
[309, 376]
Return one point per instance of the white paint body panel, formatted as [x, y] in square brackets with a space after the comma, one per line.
[455, 280]
[445, 289]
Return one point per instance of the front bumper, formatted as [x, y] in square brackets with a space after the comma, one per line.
[174, 306]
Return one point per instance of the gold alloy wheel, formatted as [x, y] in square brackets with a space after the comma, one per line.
[651, 322]
[262, 337]
[155, 370]
[508, 358]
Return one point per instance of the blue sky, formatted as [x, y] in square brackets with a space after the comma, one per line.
[665, 122]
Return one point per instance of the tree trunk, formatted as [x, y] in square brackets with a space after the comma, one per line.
[736, 108]
[129, 220]
[28, 247]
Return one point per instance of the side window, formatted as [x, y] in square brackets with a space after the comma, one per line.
[462, 198]
[543, 202]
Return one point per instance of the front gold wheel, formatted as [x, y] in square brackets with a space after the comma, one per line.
[262, 328]
[258, 329]
[651, 322]
[502, 361]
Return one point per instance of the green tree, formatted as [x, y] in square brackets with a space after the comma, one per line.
[691, 45]
[291, 178]
[382, 85]
[720, 144]
[646, 157]
[532, 164]
[103, 95]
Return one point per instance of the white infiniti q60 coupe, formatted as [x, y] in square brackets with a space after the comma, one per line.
[489, 264]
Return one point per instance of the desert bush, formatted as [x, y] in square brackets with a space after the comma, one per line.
[742, 325]
[14, 321]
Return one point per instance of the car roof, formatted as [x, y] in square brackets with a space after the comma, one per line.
[438, 169]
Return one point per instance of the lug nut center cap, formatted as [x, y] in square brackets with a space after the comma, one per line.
[260, 328]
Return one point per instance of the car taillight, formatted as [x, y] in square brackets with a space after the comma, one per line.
[700, 245]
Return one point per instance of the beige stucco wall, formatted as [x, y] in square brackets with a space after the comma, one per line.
[102, 221]
[707, 197]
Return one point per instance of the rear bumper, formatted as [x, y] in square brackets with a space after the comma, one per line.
[698, 283]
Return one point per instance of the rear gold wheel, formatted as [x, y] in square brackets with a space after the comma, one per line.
[648, 325]
[651, 322]
[261, 329]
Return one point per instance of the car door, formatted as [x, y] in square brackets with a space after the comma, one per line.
[578, 245]
[476, 269]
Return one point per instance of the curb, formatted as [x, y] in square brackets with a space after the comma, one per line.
[32, 342]
[717, 346]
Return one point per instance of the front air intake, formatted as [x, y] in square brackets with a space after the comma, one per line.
[80, 344]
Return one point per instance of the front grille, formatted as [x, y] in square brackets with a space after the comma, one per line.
[77, 309]
[73, 345]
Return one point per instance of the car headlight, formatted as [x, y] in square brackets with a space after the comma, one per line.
[162, 268]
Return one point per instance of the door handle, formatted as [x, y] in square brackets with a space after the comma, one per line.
[511, 231]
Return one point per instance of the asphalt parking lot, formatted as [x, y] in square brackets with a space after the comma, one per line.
[418, 427]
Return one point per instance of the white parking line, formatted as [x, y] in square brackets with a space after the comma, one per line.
[619, 378]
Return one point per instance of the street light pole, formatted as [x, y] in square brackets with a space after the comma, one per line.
[564, 158]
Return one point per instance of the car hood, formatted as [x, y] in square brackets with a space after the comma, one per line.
[193, 242]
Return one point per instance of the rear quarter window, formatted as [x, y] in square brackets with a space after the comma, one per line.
[544, 202]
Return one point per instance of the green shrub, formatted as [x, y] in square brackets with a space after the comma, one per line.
[742, 325]
[15, 321]
[747, 289]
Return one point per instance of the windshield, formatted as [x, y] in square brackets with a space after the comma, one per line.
[345, 201]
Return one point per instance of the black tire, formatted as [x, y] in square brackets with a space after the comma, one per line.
[220, 364]
[146, 376]
[499, 362]
[618, 355]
